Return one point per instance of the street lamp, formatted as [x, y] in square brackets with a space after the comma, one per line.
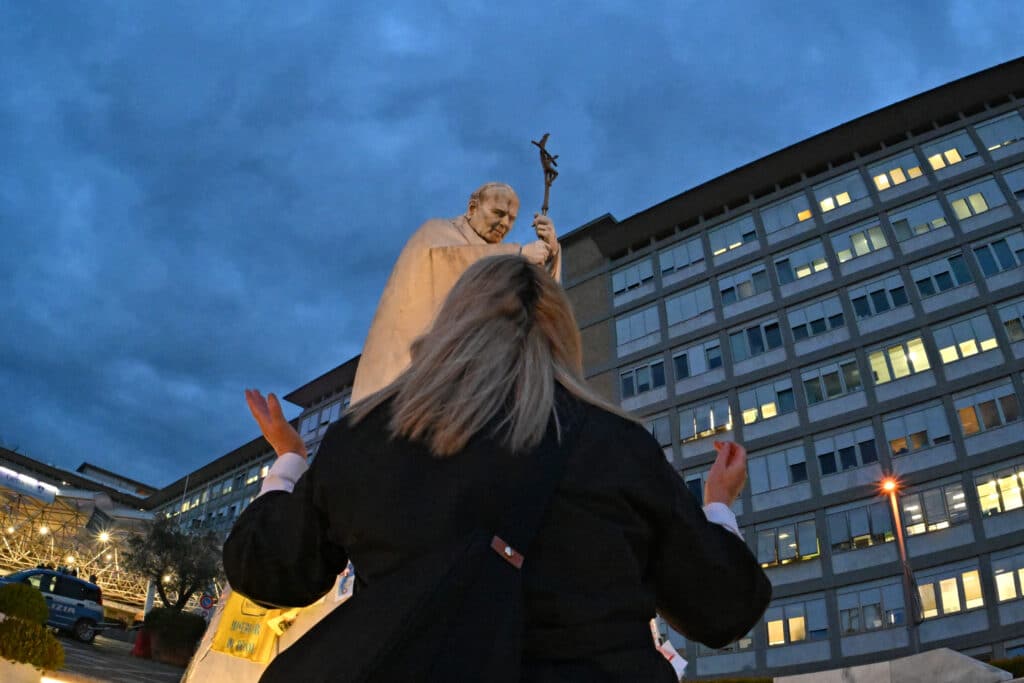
[890, 485]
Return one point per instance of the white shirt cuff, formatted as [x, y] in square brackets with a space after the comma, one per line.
[719, 513]
[284, 473]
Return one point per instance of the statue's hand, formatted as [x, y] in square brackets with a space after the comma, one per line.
[536, 252]
[546, 231]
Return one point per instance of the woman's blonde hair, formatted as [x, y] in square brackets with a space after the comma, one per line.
[504, 335]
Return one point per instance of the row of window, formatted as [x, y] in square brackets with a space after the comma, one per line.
[879, 605]
[908, 431]
[863, 525]
[887, 292]
[954, 341]
[891, 362]
[918, 218]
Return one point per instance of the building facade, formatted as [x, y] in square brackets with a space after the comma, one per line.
[848, 307]
[212, 497]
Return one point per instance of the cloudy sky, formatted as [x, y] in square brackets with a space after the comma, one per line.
[199, 197]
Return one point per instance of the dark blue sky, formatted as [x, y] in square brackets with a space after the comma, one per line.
[200, 197]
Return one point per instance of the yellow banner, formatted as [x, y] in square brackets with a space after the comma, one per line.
[247, 630]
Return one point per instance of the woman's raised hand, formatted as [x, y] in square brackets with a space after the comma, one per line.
[278, 432]
[727, 475]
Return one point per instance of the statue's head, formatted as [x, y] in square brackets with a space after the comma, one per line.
[492, 211]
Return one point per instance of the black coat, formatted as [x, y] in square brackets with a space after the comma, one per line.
[622, 538]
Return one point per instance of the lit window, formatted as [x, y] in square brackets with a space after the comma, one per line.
[732, 235]
[1001, 132]
[767, 401]
[972, 589]
[776, 633]
[895, 171]
[950, 150]
[929, 607]
[801, 263]
[918, 219]
[704, 420]
[1006, 587]
[987, 409]
[785, 213]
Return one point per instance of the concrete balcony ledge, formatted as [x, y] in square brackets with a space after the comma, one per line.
[935, 666]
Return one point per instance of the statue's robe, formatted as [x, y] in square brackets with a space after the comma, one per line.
[433, 259]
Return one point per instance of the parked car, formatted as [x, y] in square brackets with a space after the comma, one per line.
[76, 605]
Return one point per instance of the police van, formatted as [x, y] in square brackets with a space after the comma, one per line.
[76, 605]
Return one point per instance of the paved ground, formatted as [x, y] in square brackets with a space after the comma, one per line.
[106, 660]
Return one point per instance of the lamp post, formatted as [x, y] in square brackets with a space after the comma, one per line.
[890, 485]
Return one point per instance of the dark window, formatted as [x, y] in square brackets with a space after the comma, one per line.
[944, 281]
[682, 366]
[696, 490]
[739, 347]
[798, 472]
[812, 387]
[69, 588]
[1011, 410]
[1003, 254]
[868, 452]
[749, 237]
[861, 307]
[836, 321]
[628, 389]
[728, 296]
[899, 296]
[880, 301]
[714, 355]
[761, 281]
[833, 387]
[785, 271]
[658, 374]
[959, 267]
[786, 401]
[818, 326]
[827, 462]
[985, 260]
[902, 229]
[1014, 329]
[800, 332]
[848, 457]
[989, 414]
[755, 340]
[926, 287]
[838, 531]
[773, 336]
[851, 375]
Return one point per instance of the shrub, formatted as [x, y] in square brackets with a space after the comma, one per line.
[1014, 665]
[23, 601]
[24, 641]
[175, 629]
